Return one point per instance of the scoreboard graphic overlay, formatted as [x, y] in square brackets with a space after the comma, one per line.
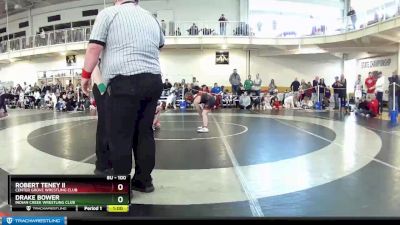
[69, 193]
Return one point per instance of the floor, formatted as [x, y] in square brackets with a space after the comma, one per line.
[251, 164]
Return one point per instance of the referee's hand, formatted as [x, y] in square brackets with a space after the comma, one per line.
[85, 83]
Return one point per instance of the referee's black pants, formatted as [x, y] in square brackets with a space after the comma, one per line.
[102, 151]
[131, 102]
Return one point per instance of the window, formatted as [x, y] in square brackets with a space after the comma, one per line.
[20, 34]
[46, 29]
[81, 23]
[24, 24]
[3, 30]
[62, 26]
[53, 18]
[92, 12]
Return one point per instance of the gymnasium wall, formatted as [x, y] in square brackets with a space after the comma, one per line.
[180, 64]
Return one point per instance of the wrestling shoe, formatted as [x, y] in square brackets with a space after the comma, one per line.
[203, 130]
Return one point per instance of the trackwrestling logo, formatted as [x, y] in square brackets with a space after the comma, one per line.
[34, 220]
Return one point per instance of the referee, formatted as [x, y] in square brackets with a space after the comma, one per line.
[129, 40]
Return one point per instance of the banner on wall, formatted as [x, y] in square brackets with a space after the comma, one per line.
[386, 64]
[222, 58]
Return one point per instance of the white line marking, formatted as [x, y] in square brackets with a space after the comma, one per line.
[335, 143]
[253, 201]
[88, 158]
[54, 131]
[2, 205]
[245, 129]
[368, 127]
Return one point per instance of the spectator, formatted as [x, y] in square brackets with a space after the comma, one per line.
[171, 99]
[326, 99]
[315, 86]
[235, 81]
[244, 101]
[24, 87]
[42, 34]
[303, 89]
[336, 91]
[36, 87]
[178, 32]
[257, 84]
[370, 83]
[167, 85]
[163, 26]
[373, 107]
[276, 104]
[195, 82]
[248, 85]
[353, 17]
[266, 101]
[394, 79]
[207, 31]
[37, 97]
[193, 30]
[272, 88]
[380, 82]
[3, 99]
[358, 89]
[28, 90]
[222, 24]
[306, 103]
[295, 85]
[53, 101]
[322, 87]
[290, 101]
[343, 90]
[216, 89]
[368, 108]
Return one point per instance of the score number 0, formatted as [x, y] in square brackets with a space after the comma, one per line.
[120, 187]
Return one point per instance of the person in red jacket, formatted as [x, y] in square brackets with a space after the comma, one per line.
[370, 83]
[373, 107]
[276, 104]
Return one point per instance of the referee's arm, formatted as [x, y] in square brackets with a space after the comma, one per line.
[96, 45]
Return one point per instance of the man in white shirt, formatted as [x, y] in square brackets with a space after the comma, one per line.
[358, 89]
[379, 90]
[245, 101]
[37, 97]
[257, 84]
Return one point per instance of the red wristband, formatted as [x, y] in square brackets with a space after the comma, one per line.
[86, 74]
